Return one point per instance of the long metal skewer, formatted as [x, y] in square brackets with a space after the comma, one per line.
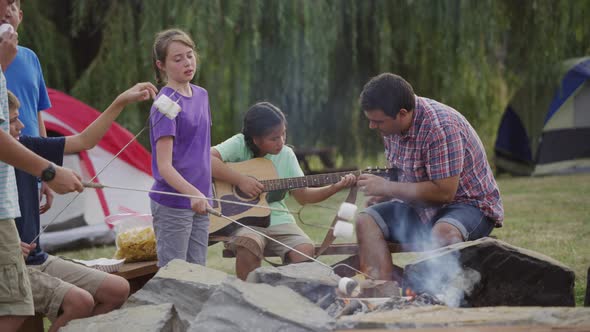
[219, 214]
[102, 186]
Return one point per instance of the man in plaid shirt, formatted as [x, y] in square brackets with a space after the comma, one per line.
[445, 191]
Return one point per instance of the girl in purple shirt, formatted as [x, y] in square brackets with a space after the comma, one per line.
[180, 153]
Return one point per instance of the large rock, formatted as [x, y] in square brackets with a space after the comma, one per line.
[188, 286]
[312, 280]
[147, 318]
[488, 272]
[242, 306]
[440, 316]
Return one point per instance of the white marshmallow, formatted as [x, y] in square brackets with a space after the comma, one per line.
[343, 229]
[5, 27]
[173, 110]
[167, 106]
[347, 211]
[349, 286]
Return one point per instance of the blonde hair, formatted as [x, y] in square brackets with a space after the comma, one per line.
[160, 49]
[13, 103]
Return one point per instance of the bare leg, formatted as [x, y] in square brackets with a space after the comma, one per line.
[375, 258]
[111, 294]
[11, 323]
[246, 262]
[77, 303]
[444, 234]
[305, 248]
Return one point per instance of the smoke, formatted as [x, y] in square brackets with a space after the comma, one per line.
[442, 275]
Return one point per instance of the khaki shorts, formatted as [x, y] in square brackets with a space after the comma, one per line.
[51, 281]
[289, 234]
[15, 289]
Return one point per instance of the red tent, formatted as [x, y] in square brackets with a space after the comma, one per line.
[69, 116]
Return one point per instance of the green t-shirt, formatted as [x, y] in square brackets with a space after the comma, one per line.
[234, 150]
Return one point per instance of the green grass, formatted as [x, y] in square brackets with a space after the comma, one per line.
[550, 215]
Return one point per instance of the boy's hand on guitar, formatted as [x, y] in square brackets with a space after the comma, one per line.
[346, 181]
[200, 205]
[250, 186]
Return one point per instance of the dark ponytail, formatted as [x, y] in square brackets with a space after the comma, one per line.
[260, 119]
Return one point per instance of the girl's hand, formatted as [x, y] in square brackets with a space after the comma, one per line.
[346, 181]
[138, 92]
[250, 186]
[200, 205]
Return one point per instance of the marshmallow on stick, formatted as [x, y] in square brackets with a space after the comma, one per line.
[347, 211]
[343, 229]
[5, 27]
[349, 286]
[167, 106]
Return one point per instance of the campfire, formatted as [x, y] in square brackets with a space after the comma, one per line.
[344, 306]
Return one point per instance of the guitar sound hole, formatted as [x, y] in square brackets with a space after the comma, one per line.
[243, 195]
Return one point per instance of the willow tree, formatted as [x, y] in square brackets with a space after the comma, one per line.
[311, 58]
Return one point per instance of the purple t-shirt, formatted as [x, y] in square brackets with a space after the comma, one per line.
[191, 148]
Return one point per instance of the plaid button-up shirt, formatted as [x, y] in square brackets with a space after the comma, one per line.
[441, 144]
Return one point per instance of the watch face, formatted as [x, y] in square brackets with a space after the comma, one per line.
[48, 174]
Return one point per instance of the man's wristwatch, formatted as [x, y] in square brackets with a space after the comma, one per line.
[48, 174]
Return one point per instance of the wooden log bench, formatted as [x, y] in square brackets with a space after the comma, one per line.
[350, 249]
[138, 274]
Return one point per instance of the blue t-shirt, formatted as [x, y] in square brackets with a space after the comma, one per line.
[25, 79]
[29, 224]
[8, 196]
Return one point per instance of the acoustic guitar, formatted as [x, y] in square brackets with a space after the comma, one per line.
[264, 171]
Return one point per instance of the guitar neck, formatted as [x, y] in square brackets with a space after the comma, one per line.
[317, 180]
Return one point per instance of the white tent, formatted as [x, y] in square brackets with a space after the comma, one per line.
[69, 116]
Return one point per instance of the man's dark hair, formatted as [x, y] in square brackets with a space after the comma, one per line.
[389, 93]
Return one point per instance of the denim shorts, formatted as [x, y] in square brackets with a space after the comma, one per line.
[399, 222]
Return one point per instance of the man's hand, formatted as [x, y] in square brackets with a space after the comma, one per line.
[26, 248]
[200, 205]
[48, 193]
[376, 200]
[372, 185]
[65, 181]
[8, 43]
[250, 186]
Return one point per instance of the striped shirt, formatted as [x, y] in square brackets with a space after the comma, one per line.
[8, 194]
[441, 144]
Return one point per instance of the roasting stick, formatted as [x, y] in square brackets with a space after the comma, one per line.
[96, 185]
[338, 228]
[107, 165]
[92, 179]
[219, 214]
